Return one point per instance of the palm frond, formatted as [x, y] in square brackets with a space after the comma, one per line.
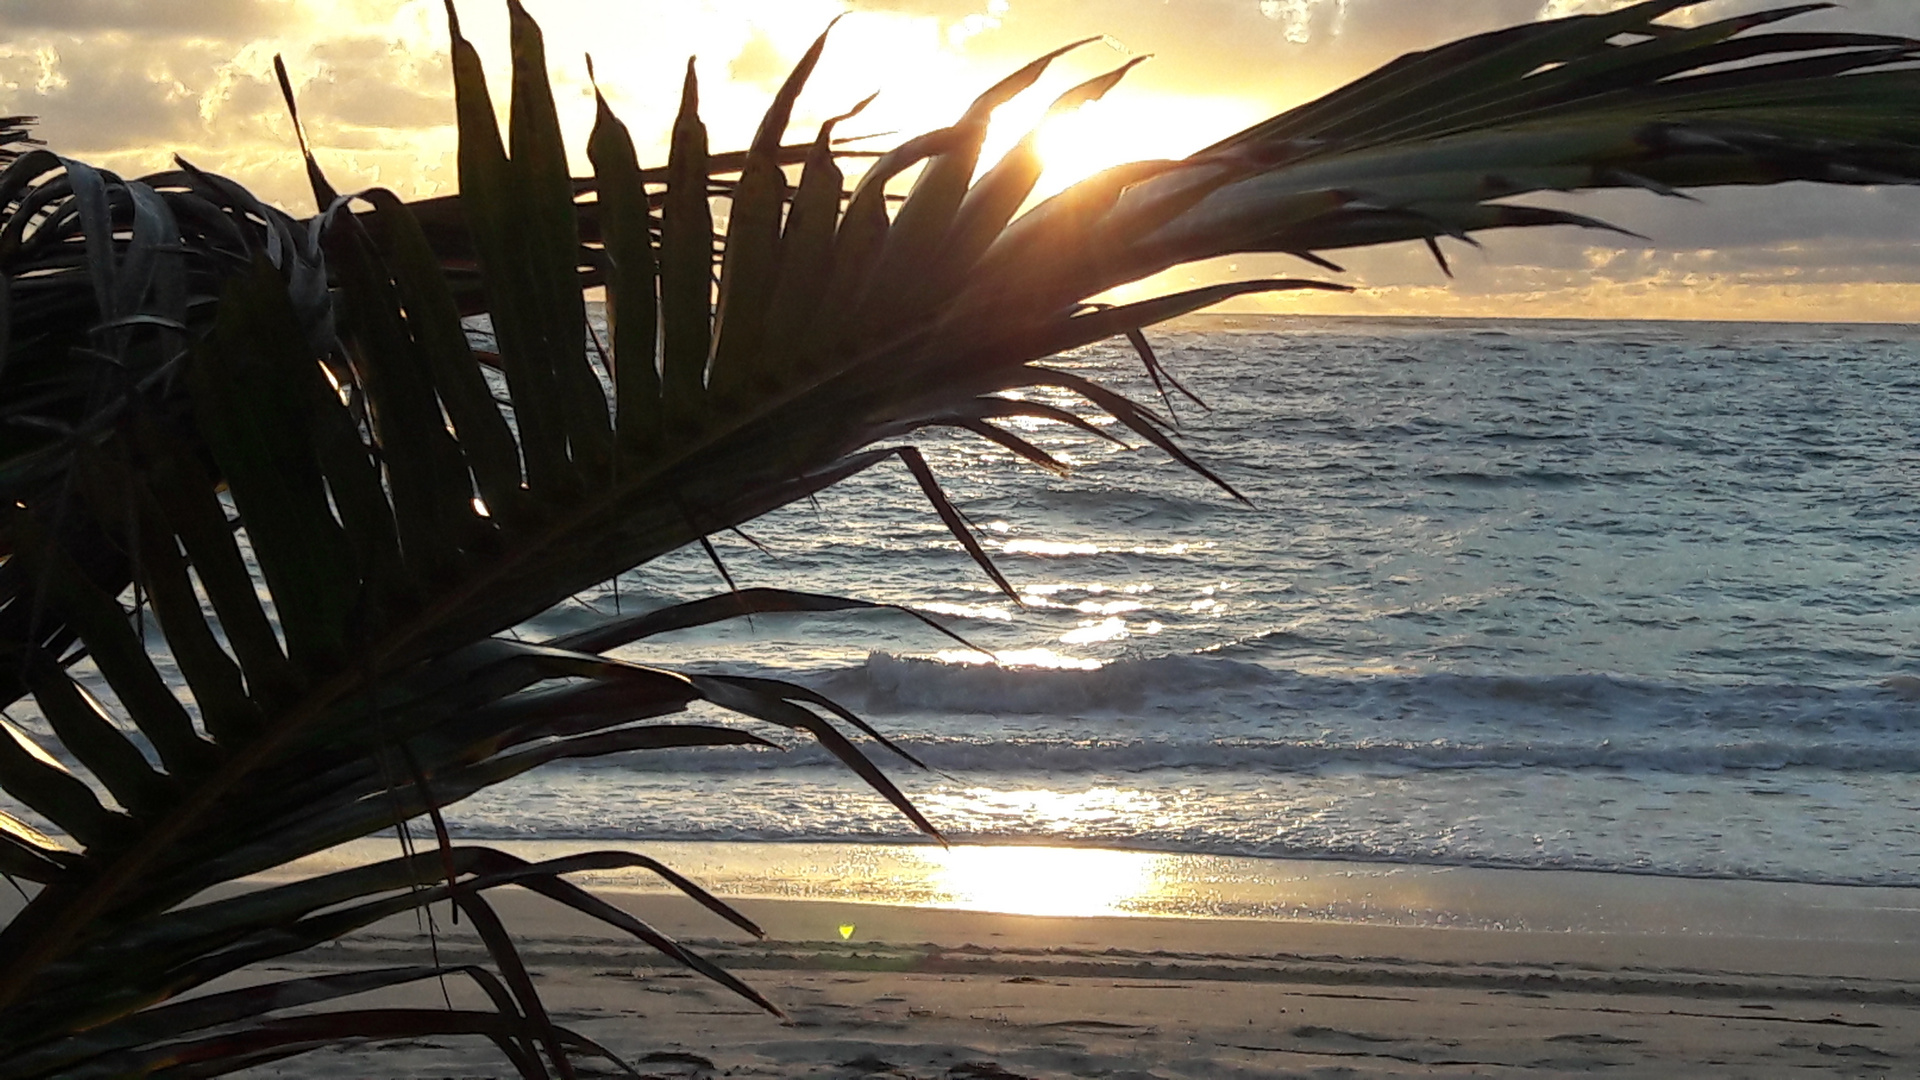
[275, 444]
[15, 137]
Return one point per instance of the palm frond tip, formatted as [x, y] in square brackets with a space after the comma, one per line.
[201, 394]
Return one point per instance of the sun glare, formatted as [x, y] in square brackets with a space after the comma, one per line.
[1075, 145]
[925, 74]
[1133, 126]
[1043, 880]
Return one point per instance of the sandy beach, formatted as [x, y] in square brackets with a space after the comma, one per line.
[1689, 978]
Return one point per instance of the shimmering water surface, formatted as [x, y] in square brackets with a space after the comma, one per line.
[1608, 596]
[1613, 596]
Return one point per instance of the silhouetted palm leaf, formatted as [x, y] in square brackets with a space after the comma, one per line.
[276, 444]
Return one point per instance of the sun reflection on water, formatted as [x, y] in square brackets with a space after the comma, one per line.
[1042, 880]
[1094, 631]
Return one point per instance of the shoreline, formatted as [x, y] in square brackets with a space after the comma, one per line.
[1083, 881]
[1824, 982]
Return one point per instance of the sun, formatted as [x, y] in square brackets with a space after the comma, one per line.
[1128, 126]
[1044, 880]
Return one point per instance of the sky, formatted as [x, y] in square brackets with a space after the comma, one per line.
[125, 84]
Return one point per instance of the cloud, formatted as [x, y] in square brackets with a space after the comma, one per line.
[760, 61]
[98, 94]
[128, 83]
[373, 82]
[223, 19]
[1307, 19]
[1280, 52]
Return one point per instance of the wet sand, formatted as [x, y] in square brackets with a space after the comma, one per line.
[1734, 979]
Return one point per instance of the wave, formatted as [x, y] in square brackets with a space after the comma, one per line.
[1220, 686]
[1188, 844]
[908, 684]
[1205, 713]
[1083, 757]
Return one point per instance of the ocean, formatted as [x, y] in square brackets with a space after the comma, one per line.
[1623, 597]
[1610, 596]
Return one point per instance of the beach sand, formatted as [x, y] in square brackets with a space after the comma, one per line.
[1683, 979]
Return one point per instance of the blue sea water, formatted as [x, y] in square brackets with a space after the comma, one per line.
[1602, 595]
[1612, 596]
